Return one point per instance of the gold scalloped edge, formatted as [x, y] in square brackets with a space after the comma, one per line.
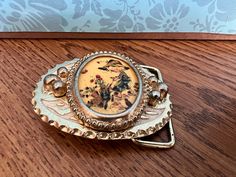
[92, 134]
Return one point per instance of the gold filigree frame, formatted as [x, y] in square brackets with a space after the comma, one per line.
[117, 123]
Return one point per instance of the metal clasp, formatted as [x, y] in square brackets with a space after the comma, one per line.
[155, 144]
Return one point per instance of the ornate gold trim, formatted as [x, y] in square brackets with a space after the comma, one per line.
[99, 124]
[140, 129]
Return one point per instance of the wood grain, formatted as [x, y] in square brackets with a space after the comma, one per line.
[101, 35]
[202, 79]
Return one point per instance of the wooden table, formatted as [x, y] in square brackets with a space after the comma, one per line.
[202, 79]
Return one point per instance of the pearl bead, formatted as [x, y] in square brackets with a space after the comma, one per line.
[153, 81]
[163, 89]
[49, 80]
[59, 88]
[62, 72]
[154, 98]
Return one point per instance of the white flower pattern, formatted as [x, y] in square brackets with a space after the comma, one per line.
[167, 15]
[222, 10]
[215, 16]
[32, 15]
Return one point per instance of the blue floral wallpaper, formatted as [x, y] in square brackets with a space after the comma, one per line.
[216, 16]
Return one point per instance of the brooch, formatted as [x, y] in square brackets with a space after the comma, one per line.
[105, 96]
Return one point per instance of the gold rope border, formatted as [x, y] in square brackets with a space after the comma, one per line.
[98, 124]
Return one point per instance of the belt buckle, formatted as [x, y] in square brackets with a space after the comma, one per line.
[106, 96]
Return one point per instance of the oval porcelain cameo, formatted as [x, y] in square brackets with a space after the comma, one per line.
[107, 91]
